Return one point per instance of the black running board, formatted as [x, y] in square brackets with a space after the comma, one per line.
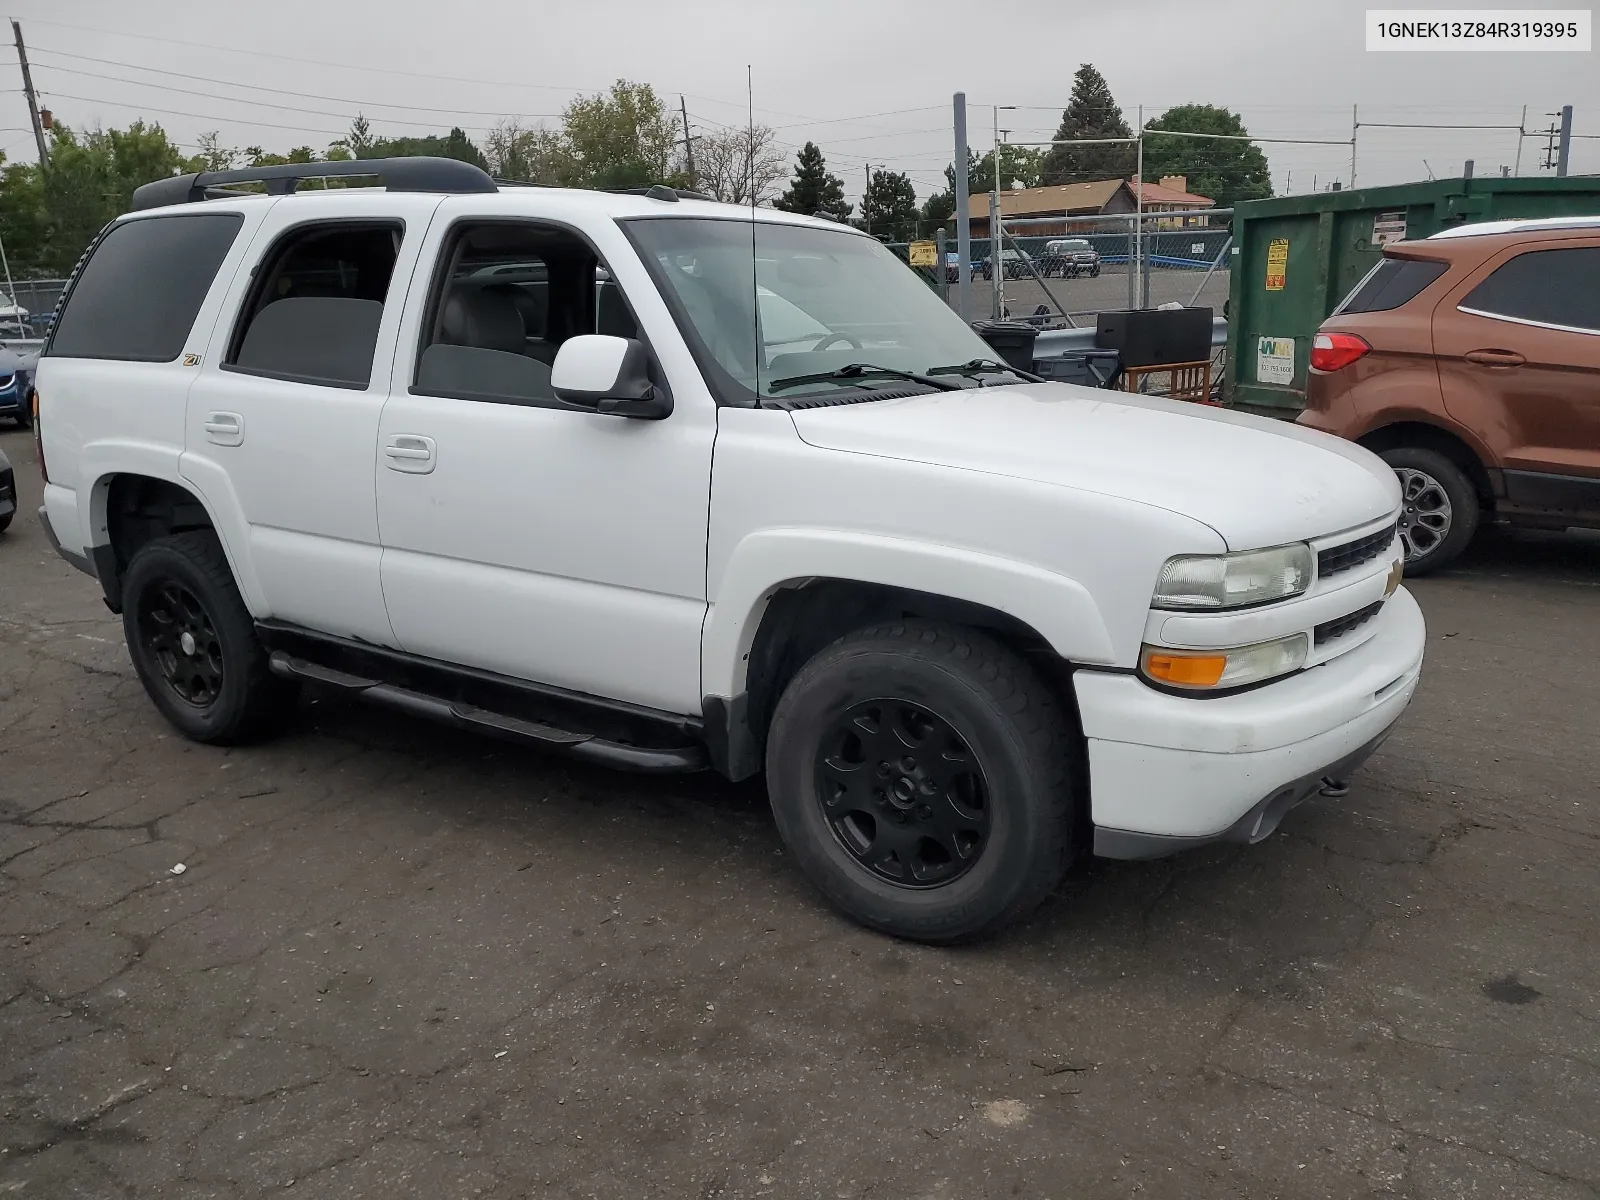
[481, 720]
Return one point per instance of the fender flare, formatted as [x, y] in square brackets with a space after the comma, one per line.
[1055, 606]
[106, 461]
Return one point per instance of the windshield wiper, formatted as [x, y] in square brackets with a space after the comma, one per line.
[983, 366]
[863, 371]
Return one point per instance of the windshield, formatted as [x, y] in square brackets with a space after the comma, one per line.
[826, 299]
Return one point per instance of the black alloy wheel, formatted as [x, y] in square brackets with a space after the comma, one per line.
[181, 637]
[194, 644]
[923, 776]
[903, 793]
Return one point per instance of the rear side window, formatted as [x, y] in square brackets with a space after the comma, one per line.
[1549, 287]
[137, 296]
[1393, 282]
[314, 311]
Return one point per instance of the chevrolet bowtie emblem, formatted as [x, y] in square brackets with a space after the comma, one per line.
[1396, 573]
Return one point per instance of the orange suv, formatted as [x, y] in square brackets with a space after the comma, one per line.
[1470, 361]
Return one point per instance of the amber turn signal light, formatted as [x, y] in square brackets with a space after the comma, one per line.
[1185, 670]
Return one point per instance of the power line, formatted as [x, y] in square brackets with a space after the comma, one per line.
[172, 112]
[465, 112]
[320, 112]
[321, 62]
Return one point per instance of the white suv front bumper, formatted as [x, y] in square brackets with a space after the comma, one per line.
[1169, 772]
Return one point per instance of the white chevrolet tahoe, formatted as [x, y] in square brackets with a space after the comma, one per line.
[670, 485]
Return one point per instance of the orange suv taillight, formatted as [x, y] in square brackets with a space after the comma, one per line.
[38, 434]
[1335, 351]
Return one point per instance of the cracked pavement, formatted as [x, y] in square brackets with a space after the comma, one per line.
[405, 962]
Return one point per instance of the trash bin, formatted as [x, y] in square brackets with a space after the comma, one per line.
[1012, 341]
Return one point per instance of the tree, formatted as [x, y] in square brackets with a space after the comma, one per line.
[1090, 113]
[814, 189]
[889, 209]
[732, 163]
[359, 140]
[1227, 171]
[938, 208]
[619, 139]
[456, 144]
[213, 156]
[1020, 167]
[91, 179]
[528, 155]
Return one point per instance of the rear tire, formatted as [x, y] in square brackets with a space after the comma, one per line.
[194, 645]
[923, 777]
[1440, 508]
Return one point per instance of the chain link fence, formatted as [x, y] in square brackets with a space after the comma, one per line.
[1066, 279]
[1060, 274]
[38, 299]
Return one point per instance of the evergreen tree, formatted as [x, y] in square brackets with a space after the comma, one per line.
[889, 209]
[1091, 113]
[813, 189]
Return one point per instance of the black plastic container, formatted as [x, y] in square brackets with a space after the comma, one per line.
[1011, 341]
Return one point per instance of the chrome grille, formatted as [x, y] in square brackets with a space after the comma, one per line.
[1329, 630]
[1352, 554]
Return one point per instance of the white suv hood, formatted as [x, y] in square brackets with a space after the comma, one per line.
[1256, 481]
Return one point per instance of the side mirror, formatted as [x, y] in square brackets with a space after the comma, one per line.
[605, 374]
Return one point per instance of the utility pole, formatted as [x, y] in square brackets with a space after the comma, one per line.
[963, 213]
[1549, 143]
[33, 98]
[1355, 130]
[866, 211]
[1140, 279]
[1566, 141]
[1522, 132]
[688, 142]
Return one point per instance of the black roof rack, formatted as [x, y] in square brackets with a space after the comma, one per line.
[419, 174]
[660, 191]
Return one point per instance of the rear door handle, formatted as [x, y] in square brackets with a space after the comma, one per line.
[224, 428]
[1495, 358]
[411, 453]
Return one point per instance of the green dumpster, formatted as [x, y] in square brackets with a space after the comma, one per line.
[1294, 258]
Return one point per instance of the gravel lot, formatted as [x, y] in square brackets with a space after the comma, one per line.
[1107, 292]
[406, 963]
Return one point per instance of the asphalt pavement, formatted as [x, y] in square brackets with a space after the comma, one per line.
[374, 958]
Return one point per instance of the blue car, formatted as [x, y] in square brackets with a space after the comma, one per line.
[16, 373]
[8, 493]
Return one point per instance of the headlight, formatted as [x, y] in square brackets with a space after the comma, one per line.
[1218, 581]
[1219, 670]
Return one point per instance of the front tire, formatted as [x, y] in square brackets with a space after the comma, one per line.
[194, 645]
[923, 777]
[1439, 507]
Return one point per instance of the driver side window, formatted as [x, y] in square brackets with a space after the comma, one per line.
[506, 296]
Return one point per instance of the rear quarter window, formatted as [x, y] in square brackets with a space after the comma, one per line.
[138, 295]
[1546, 287]
[1393, 282]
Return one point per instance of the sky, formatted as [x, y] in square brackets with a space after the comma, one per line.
[870, 81]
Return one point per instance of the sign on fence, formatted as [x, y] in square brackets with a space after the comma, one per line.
[924, 254]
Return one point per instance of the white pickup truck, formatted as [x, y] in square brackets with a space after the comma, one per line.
[669, 485]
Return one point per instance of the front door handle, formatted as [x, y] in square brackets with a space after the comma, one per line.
[224, 428]
[411, 453]
[1495, 358]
